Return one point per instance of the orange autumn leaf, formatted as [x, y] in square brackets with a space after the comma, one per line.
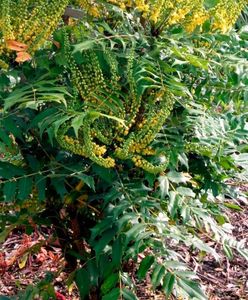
[16, 46]
[22, 56]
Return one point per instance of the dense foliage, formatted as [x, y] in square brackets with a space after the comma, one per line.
[121, 131]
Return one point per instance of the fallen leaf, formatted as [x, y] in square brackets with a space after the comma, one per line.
[22, 56]
[22, 261]
[16, 46]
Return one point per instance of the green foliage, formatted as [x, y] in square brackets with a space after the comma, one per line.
[133, 136]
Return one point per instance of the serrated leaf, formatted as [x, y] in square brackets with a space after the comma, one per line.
[178, 177]
[185, 191]
[77, 123]
[107, 236]
[173, 203]
[164, 186]
[145, 265]
[83, 46]
[88, 180]
[132, 233]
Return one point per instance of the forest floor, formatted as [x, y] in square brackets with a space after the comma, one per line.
[25, 259]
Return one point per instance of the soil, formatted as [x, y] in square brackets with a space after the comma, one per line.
[20, 267]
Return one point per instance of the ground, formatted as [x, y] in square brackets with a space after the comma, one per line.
[223, 280]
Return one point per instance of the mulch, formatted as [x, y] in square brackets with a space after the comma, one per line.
[222, 280]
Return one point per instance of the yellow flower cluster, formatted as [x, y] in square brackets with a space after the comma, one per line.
[225, 14]
[190, 13]
[91, 7]
[28, 24]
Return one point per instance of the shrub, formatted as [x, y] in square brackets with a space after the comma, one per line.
[121, 132]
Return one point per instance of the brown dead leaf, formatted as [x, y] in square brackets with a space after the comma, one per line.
[22, 56]
[16, 46]
[57, 44]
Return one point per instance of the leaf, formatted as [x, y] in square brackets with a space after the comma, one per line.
[185, 192]
[145, 266]
[107, 236]
[232, 206]
[128, 295]
[228, 251]
[77, 122]
[4, 234]
[117, 251]
[112, 295]
[132, 233]
[40, 184]
[25, 187]
[164, 186]
[157, 275]
[109, 283]
[191, 288]
[9, 191]
[15, 45]
[83, 46]
[173, 204]
[89, 180]
[210, 3]
[168, 283]
[177, 177]
[22, 57]
[22, 261]
[83, 282]
[93, 272]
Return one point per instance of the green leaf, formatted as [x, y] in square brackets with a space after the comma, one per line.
[117, 251]
[164, 186]
[191, 288]
[185, 191]
[128, 295]
[86, 45]
[93, 272]
[145, 266]
[107, 236]
[4, 234]
[168, 283]
[112, 295]
[173, 204]
[88, 180]
[210, 3]
[9, 191]
[78, 122]
[157, 275]
[132, 233]
[83, 282]
[227, 250]
[40, 183]
[232, 206]
[25, 187]
[177, 177]
[109, 283]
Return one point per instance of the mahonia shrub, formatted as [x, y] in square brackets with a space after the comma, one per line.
[120, 130]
